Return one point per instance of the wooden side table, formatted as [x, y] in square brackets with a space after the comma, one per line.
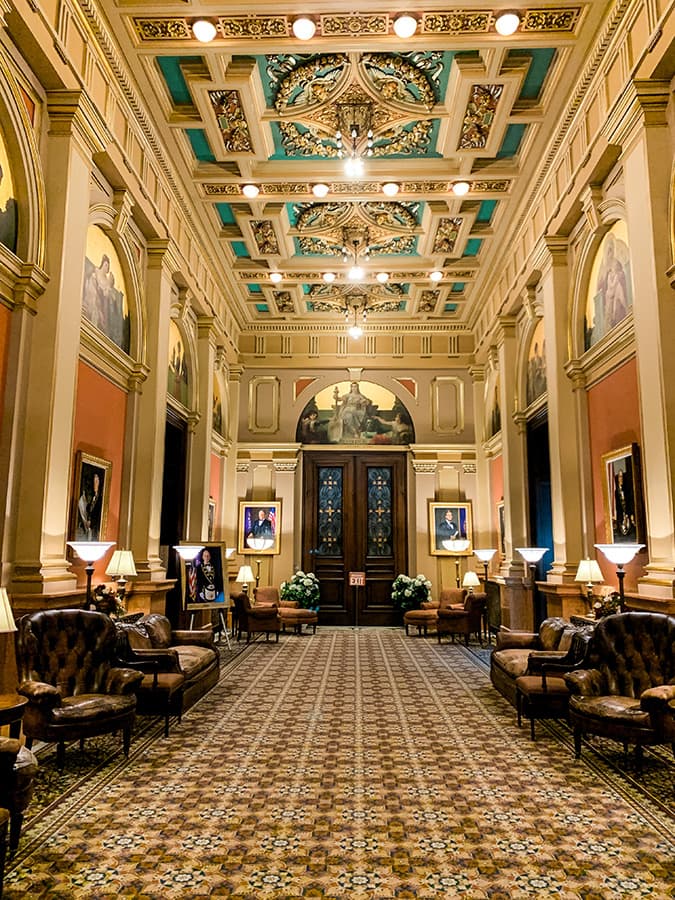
[11, 712]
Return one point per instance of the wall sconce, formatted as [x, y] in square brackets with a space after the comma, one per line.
[485, 556]
[90, 552]
[590, 574]
[470, 581]
[121, 564]
[620, 554]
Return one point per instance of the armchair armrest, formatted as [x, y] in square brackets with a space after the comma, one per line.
[285, 604]
[656, 699]
[511, 640]
[40, 693]
[585, 682]
[201, 637]
[262, 612]
[156, 660]
[430, 604]
[122, 681]
[9, 750]
[540, 658]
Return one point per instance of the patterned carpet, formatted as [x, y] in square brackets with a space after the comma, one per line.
[351, 764]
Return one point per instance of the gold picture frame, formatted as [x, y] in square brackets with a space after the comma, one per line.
[622, 495]
[260, 518]
[91, 497]
[450, 529]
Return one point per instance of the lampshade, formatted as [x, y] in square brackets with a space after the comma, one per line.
[532, 554]
[245, 575]
[470, 580]
[589, 572]
[7, 623]
[188, 551]
[485, 555]
[91, 551]
[457, 545]
[121, 564]
[619, 554]
[258, 542]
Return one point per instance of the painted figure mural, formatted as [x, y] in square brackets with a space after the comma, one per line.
[178, 372]
[104, 301]
[8, 206]
[536, 365]
[355, 413]
[610, 290]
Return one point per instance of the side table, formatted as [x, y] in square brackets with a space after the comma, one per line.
[11, 712]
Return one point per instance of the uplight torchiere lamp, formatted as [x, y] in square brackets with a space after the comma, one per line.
[589, 574]
[259, 544]
[619, 555]
[485, 556]
[456, 545]
[187, 553]
[90, 552]
[121, 564]
[532, 555]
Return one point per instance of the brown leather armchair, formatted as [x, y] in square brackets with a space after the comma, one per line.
[66, 664]
[627, 686]
[427, 615]
[18, 768]
[259, 618]
[465, 620]
[290, 613]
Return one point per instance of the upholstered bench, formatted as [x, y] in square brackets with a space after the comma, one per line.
[297, 617]
[421, 619]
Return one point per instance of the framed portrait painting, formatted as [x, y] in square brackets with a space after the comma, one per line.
[259, 526]
[203, 579]
[501, 522]
[624, 502]
[450, 529]
[91, 493]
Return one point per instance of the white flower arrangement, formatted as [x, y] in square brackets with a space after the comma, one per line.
[303, 587]
[410, 593]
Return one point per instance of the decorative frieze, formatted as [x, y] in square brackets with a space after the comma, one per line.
[231, 121]
[285, 465]
[424, 468]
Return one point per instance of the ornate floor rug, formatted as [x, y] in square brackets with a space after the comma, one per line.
[349, 764]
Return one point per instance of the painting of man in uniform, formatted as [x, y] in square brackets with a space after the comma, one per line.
[355, 412]
[104, 301]
[8, 207]
[178, 371]
[217, 410]
[536, 365]
[610, 290]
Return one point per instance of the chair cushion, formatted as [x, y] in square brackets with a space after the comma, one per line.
[167, 683]
[299, 616]
[89, 707]
[420, 615]
[615, 708]
[193, 659]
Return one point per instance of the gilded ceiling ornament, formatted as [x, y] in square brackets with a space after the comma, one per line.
[447, 234]
[551, 19]
[318, 246]
[310, 83]
[302, 141]
[286, 187]
[215, 190]
[321, 216]
[479, 115]
[284, 301]
[412, 139]
[393, 215]
[397, 80]
[490, 186]
[231, 121]
[456, 21]
[427, 302]
[354, 23]
[425, 187]
[254, 26]
[162, 29]
[264, 236]
[356, 187]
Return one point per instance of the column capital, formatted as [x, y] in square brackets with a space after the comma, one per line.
[192, 421]
[644, 104]
[477, 373]
[576, 374]
[550, 251]
[591, 199]
[424, 467]
[28, 287]
[206, 329]
[159, 253]
[72, 113]
[520, 420]
[123, 204]
[139, 374]
[506, 328]
[235, 373]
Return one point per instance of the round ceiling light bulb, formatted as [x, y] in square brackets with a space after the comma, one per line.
[304, 28]
[204, 30]
[405, 25]
[353, 167]
[507, 24]
[320, 190]
[250, 191]
[390, 189]
[460, 188]
[276, 277]
[329, 277]
[436, 275]
[382, 277]
[355, 273]
[355, 331]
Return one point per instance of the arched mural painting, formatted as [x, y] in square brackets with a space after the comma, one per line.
[178, 370]
[104, 301]
[8, 207]
[356, 412]
[217, 410]
[536, 365]
[610, 289]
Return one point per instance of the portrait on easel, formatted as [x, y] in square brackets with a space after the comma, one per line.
[202, 579]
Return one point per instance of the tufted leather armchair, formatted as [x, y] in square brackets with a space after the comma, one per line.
[628, 683]
[66, 664]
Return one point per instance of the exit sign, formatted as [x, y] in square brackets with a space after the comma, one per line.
[357, 579]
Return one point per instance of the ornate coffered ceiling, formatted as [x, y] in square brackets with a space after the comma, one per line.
[456, 102]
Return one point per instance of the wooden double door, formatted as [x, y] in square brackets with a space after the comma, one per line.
[355, 520]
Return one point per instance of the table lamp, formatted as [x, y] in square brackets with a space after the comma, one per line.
[90, 552]
[456, 545]
[245, 577]
[590, 574]
[485, 556]
[620, 554]
[121, 564]
[7, 623]
[470, 581]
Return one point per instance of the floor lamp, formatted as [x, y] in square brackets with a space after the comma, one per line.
[90, 552]
[456, 545]
[485, 556]
[532, 555]
[259, 544]
[187, 553]
[620, 554]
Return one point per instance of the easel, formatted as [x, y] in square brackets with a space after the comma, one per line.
[222, 608]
